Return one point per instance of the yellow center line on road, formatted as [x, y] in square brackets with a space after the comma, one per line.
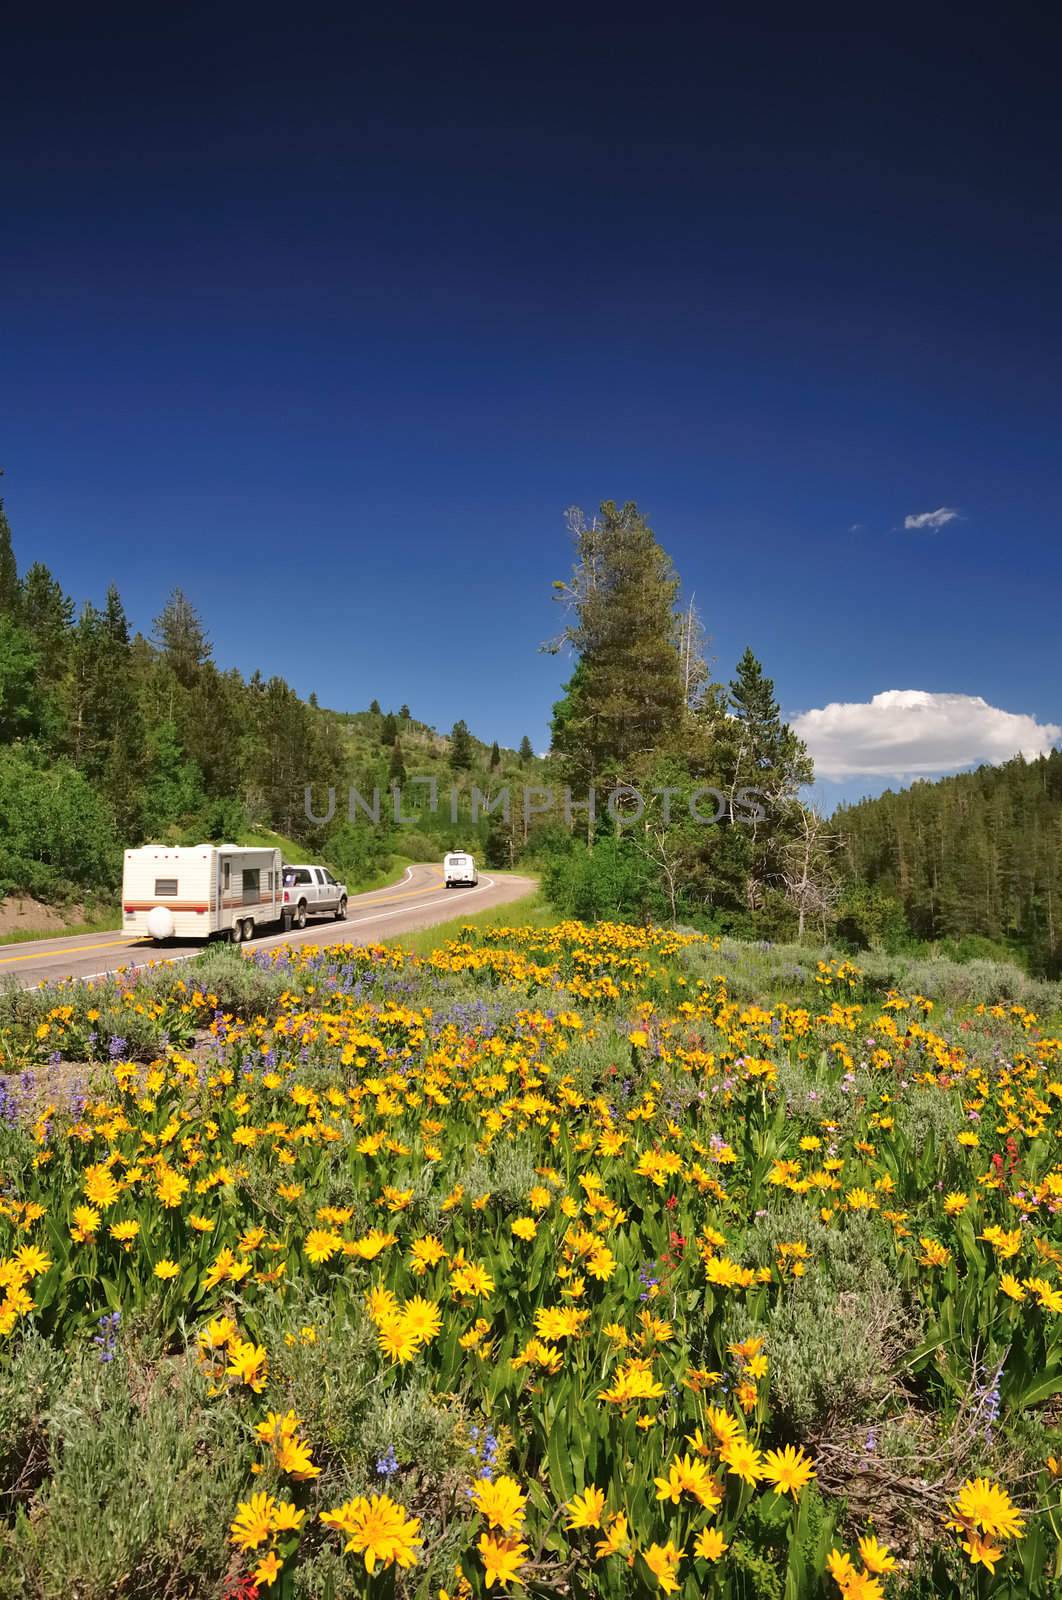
[119, 944]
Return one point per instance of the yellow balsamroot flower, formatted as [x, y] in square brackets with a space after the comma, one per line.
[268, 1569]
[954, 1203]
[86, 1221]
[981, 1552]
[253, 1523]
[471, 1280]
[32, 1260]
[381, 1304]
[379, 1530]
[1009, 1285]
[789, 1470]
[425, 1253]
[616, 1539]
[585, 1510]
[321, 1244]
[984, 1505]
[689, 1475]
[723, 1425]
[663, 1562]
[710, 1544]
[633, 1382]
[396, 1340]
[743, 1460]
[1046, 1294]
[167, 1269]
[525, 1228]
[249, 1364]
[876, 1557]
[421, 1317]
[501, 1502]
[502, 1558]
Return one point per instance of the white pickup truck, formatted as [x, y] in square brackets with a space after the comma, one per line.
[311, 892]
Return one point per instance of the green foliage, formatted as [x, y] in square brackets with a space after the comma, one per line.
[56, 835]
[138, 1463]
[972, 854]
[20, 709]
[358, 850]
[460, 746]
[610, 880]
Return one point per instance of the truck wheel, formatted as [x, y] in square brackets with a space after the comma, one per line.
[300, 914]
[341, 909]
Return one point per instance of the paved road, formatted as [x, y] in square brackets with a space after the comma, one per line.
[417, 901]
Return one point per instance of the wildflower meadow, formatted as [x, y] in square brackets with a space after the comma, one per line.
[542, 1263]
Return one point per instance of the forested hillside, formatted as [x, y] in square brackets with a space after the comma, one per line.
[108, 739]
[976, 854]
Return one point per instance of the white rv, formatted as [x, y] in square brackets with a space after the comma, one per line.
[459, 867]
[191, 892]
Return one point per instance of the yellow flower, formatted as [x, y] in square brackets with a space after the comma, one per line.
[663, 1562]
[379, 1530]
[253, 1522]
[501, 1502]
[397, 1340]
[268, 1570]
[584, 1510]
[876, 1557]
[502, 1558]
[743, 1460]
[987, 1506]
[249, 1364]
[710, 1544]
[982, 1552]
[790, 1470]
[525, 1228]
[166, 1269]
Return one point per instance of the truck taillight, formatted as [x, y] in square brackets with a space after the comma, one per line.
[287, 897]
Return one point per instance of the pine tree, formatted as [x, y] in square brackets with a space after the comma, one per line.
[460, 747]
[181, 638]
[9, 585]
[526, 751]
[374, 708]
[48, 616]
[397, 770]
[626, 696]
[389, 729]
[405, 713]
[495, 756]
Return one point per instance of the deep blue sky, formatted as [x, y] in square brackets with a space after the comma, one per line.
[327, 322]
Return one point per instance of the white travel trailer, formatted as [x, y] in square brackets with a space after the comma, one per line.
[191, 892]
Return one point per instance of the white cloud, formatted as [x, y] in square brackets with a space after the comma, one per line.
[905, 732]
[931, 519]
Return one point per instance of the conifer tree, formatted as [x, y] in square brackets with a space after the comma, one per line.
[397, 770]
[460, 746]
[181, 638]
[9, 585]
[495, 756]
[526, 751]
[626, 696]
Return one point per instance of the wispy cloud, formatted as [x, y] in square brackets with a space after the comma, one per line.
[902, 732]
[931, 519]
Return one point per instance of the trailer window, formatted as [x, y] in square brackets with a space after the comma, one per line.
[251, 890]
[165, 886]
[225, 874]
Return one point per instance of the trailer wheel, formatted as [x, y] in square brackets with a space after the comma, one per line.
[341, 909]
[300, 914]
[236, 932]
[248, 928]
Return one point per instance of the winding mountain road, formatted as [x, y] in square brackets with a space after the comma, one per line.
[418, 900]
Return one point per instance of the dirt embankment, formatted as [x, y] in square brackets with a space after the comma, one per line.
[22, 914]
